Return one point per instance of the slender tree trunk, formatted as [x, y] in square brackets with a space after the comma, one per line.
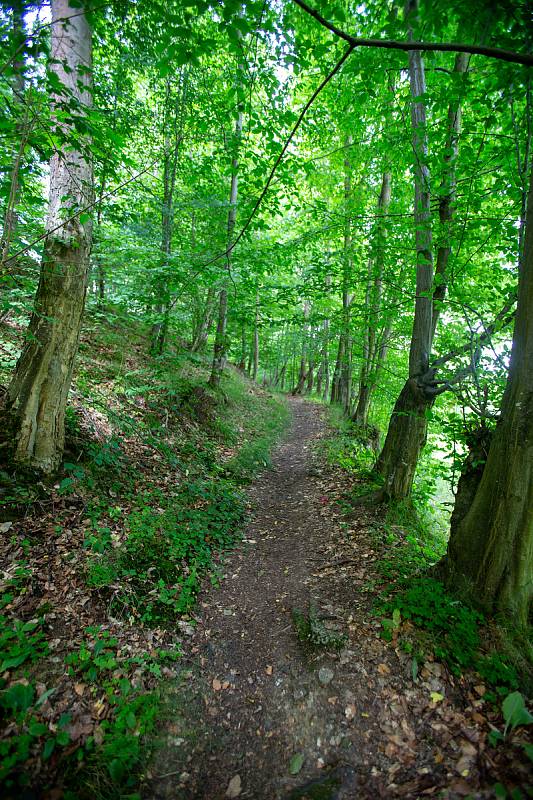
[22, 131]
[38, 392]
[407, 431]
[372, 354]
[221, 340]
[302, 374]
[345, 370]
[170, 165]
[256, 339]
[491, 545]
[221, 343]
[200, 338]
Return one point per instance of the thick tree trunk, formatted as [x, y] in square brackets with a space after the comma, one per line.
[405, 440]
[38, 392]
[492, 544]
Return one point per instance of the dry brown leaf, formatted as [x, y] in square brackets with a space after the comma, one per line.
[217, 686]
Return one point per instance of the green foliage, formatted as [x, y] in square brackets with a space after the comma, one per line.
[28, 733]
[169, 548]
[20, 642]
[452, 625]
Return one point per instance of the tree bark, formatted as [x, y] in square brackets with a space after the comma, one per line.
[256, 340]
[491, 546]
[398, 459]
[221, 341]
[21, 129]
[37, 395]
[373, 354]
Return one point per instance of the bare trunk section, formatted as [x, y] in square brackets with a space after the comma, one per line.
[491, 546]
[373, 352]
[162, 309]
[22, 131]
[345, 367]
[407, 431]
[302, 373]
[256, 340]
[37, 395]
[447, 197]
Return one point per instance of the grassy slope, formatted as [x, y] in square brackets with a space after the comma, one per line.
[103, 565]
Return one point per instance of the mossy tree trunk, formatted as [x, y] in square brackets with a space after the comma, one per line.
[37, 395]
[491, 545]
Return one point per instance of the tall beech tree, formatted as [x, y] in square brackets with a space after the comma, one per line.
[38, 392]
[407, 431]
[491, 542]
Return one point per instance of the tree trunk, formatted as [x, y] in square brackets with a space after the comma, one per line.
[345, 366]
[38, 392]
[492, 544]
[202, 332]
[221, 340]
[302, 373]
[374, 356]
[21, 129]
[399, 457]
[170, 165]
[256, 340]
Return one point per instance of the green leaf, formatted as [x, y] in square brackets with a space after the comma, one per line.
[515, 712]
[296, 763]
[528, 750]
[48, 748]
[36, 728]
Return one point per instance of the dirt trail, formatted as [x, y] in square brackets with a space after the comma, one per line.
[252, 697]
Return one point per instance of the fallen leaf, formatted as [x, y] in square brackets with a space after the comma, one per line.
[234, 787]
[269, 670]
[296, 763]
[436, 697]
[217, 686]
[79, 688]
[383, 669]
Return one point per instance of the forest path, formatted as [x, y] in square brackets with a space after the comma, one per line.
[251, 697]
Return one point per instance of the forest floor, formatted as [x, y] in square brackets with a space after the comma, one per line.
[287, 689]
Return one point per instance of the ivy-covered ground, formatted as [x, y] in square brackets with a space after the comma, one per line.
[101, 568]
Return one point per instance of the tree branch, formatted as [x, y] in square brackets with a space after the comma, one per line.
[441, 47]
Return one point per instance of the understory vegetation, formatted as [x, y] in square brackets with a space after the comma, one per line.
[417, 612]
[149, 498]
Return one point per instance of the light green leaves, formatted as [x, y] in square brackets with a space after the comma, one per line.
[515, 712]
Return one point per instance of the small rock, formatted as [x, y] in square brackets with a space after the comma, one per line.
[234, 787]
[325, 675]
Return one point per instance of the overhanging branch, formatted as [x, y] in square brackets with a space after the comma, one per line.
[441, 47]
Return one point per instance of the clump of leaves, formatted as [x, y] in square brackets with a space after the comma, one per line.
[169, 549]
[312, 631]
[453, 625]
[20, 642]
